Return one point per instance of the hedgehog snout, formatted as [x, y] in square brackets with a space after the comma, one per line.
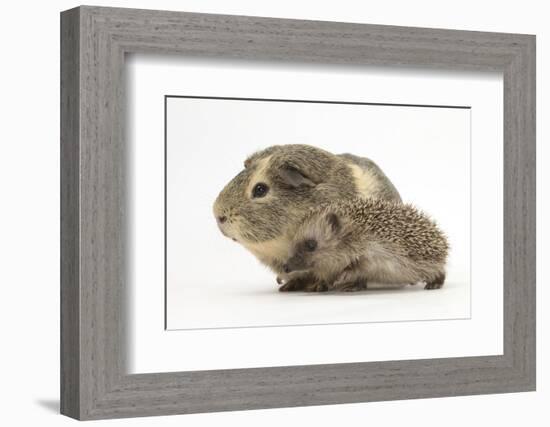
[295, 263]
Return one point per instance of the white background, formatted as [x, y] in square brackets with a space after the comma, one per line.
[29, 172]
[212, 282]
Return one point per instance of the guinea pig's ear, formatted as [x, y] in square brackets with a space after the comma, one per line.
[333, 222]
[258, 155]
[294, 177]
[251, 159]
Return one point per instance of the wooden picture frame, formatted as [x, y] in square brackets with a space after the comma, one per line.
[94, 382]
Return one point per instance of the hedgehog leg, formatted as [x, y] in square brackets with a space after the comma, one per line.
[345, 277]
[436, 283]
[358, 285]
[296, 283]
[350, 280]
[316, 287]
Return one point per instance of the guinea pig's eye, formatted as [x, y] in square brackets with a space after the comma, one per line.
[311, 245]
[260, 190]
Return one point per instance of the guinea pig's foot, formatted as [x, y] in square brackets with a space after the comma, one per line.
[436, 283]
[316, 287]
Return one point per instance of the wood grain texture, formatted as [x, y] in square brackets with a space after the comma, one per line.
[94, 382]
[70, 221]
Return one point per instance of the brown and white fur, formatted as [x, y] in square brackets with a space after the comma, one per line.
[349, 243]
[295, 178]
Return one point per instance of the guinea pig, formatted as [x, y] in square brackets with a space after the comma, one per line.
[280, 184]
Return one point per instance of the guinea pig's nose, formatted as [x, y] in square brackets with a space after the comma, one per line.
[286, 268]
[222, 219]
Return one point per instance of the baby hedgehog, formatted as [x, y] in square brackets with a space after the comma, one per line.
[346, 244]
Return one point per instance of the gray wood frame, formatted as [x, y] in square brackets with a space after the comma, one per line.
[94, 383]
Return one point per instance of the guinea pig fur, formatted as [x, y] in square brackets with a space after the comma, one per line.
[280, 184]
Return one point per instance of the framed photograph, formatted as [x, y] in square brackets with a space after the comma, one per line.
[261, 213]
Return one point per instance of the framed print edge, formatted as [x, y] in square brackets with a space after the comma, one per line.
[69, 159]
[94, 271]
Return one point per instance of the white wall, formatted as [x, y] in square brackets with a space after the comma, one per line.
[29, 236]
